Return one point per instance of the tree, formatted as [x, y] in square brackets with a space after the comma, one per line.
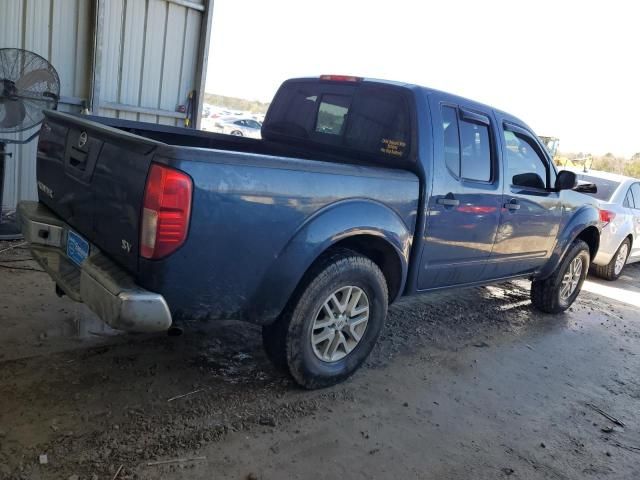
[632, 169]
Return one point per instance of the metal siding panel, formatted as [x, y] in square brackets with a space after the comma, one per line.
[37, 26]
[111, 50]
[63, 44]
[11, 27]
[173, 53]
[153, 56]
[132, 53]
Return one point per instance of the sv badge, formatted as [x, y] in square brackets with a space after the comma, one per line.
[126, 246]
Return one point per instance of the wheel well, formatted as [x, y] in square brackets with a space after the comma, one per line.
[630, 237]
[591, 236]
[381, 253]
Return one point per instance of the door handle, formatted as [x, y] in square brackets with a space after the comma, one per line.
[512, 205]
[448, 202]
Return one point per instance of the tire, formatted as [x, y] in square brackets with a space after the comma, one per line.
[547, 295]
[356, 284]
[608, 272]
[237, 133]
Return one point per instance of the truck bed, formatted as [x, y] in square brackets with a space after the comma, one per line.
[186, 137]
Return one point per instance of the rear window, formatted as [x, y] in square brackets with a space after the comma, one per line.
[367, 119]
[606, 188]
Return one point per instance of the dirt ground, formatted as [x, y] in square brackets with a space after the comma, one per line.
[464, 384]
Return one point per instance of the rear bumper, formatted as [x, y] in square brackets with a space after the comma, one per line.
[99, 283]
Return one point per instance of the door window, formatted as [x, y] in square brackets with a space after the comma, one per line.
[451, 139]
[476, 151]
[635, 190]
[525, 167]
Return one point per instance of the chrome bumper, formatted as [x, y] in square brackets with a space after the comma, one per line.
[99, 283]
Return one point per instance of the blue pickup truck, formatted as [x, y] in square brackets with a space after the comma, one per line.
[360, 192]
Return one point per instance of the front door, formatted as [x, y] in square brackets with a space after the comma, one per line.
[464, 208]
[531, 209]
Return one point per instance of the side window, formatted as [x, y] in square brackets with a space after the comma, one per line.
[525, 167]
[629, 200]
[451, 139]
[635, 190]
[476, 151]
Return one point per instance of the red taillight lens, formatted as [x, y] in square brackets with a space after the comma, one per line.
[341, 78]
[606, 216]
[165, 212]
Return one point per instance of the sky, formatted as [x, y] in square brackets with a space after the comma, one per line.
[569, 69]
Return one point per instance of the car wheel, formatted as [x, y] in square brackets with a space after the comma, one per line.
[614, 268]
[556, 293]
[237, 133]
[333, 321]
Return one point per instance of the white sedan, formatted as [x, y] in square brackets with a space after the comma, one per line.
[619, 202]
[240, 127]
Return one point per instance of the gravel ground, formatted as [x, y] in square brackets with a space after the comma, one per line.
[463, 384]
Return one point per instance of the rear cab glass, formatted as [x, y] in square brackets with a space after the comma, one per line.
[360, 119]
[606, 188]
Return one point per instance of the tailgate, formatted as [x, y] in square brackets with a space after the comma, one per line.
[93, 177]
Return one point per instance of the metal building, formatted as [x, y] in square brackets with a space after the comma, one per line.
[134, 59]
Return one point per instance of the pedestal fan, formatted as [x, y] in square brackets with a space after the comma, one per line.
[28, 85]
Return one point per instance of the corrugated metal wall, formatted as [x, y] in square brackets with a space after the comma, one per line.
[148, 59]
[149, 54]
[59, 31]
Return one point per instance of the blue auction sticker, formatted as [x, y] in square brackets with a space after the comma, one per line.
[77, 248]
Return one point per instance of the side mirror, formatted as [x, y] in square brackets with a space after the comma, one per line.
[531, 180]
[586, 188]
[566, 180]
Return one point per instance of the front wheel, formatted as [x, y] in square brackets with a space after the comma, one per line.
[556, 293]
[333, 322]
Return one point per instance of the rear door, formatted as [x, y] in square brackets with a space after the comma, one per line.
[463, 211]
[531, 210]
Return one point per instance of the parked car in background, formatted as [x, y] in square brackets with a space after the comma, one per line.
[362, 191]
[619, 202]
[239, 127]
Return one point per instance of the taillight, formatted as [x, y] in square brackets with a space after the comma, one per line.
[606, 216]
[341, 78]
[165, 212]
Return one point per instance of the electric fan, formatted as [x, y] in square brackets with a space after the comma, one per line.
[28, 85]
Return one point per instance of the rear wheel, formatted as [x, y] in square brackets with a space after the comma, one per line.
[333, 322]
[556, 293]
[613, 269]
